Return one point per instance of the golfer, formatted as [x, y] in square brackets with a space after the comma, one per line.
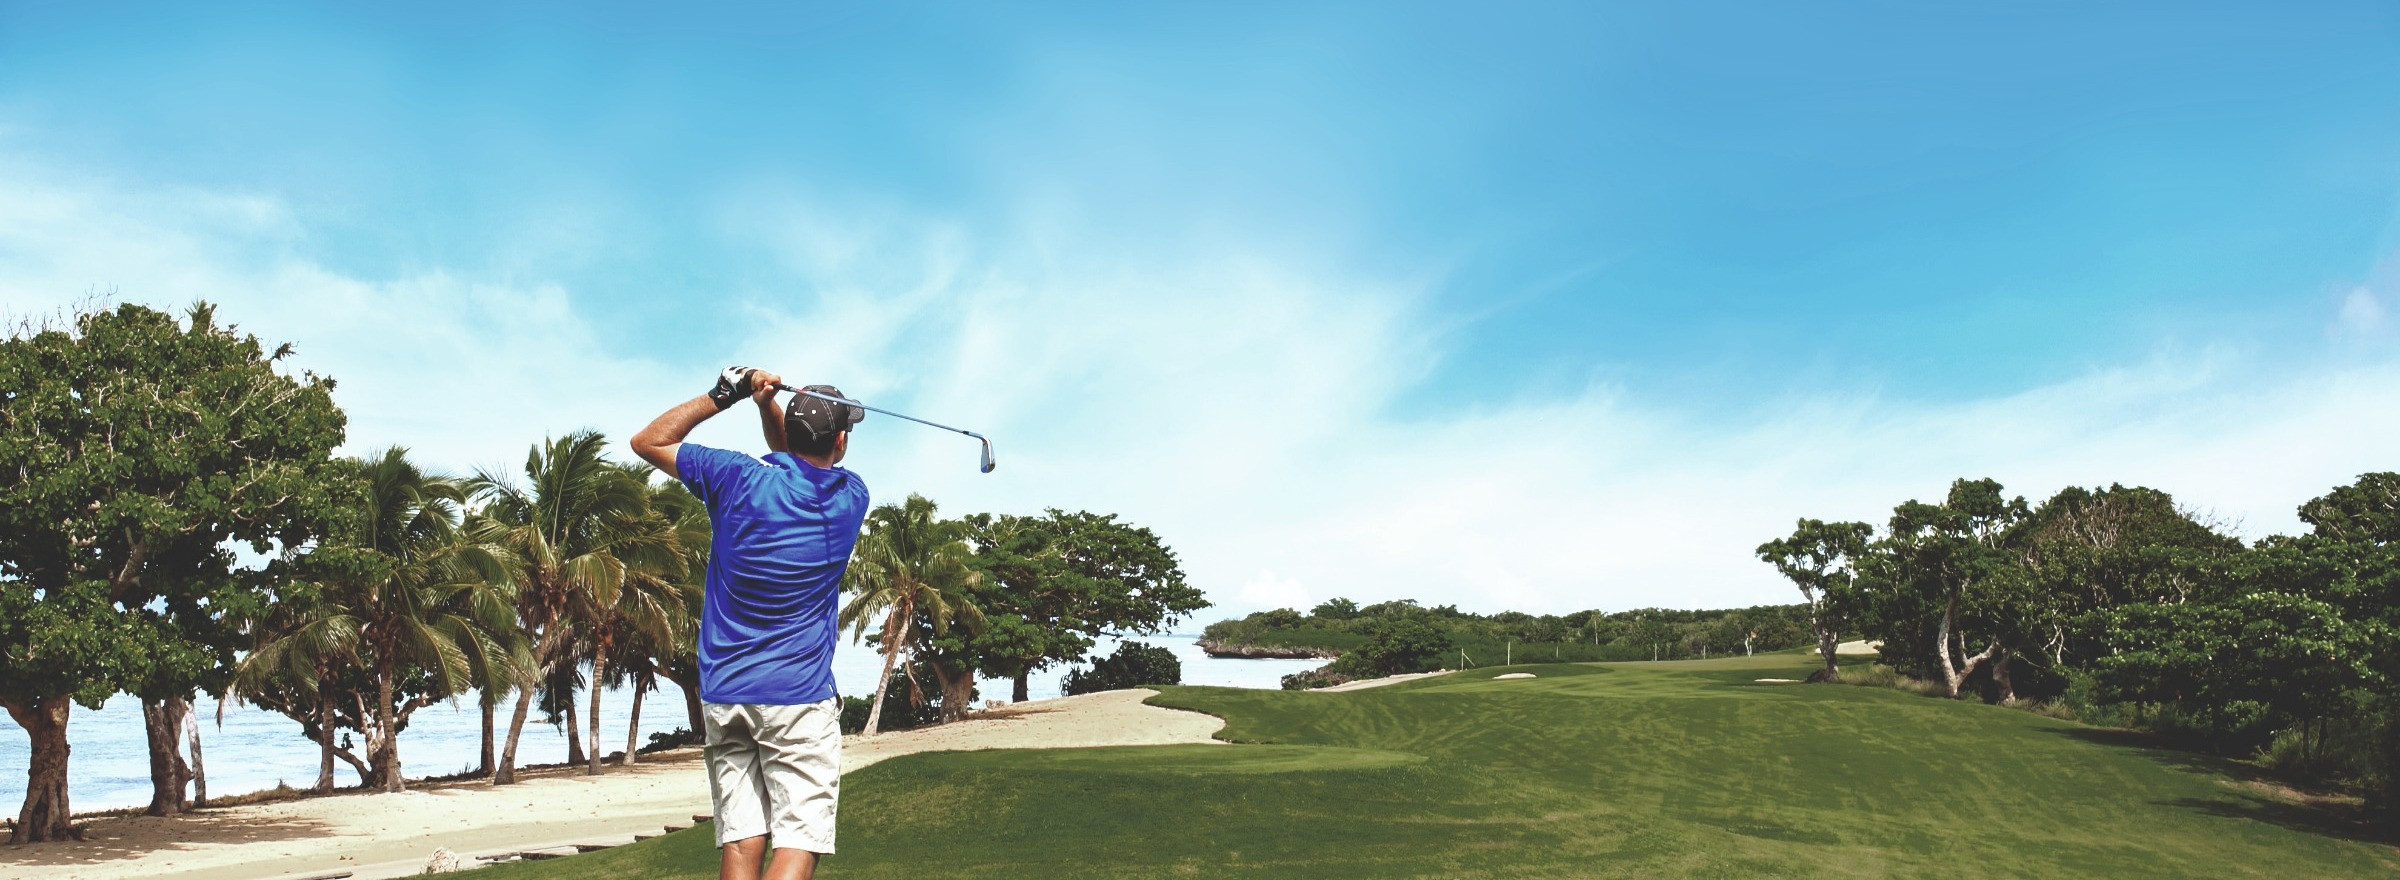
[783, 527]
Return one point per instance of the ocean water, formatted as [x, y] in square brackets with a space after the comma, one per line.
[253, 749]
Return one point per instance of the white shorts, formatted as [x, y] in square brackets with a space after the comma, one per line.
[775, 770]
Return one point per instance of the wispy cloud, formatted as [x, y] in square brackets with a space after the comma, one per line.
[1264, 413]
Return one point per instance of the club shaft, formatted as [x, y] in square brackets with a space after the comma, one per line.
[848, 402]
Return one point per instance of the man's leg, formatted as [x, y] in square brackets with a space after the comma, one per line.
[740, 858]
[800, 755]
[792, 864]
[737, 786]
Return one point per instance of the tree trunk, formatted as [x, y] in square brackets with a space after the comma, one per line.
[385, 744]
[634, 728]
[199, 771]
[599, 674]
[1828, 642]
[1017, 692]
[574, 733]
[162, 725]
[506, 774]
[1954, 674]
[490, 708]
[2001, 678]
[45, 815]
[891, 652]
[324, 733]
[958, 689]
[691, 708]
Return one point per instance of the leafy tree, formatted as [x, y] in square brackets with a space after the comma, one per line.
[2365, 511]
[1336, 609]
[1396, 643]
[1133, 665]
[137, 448]
[1940, 571]
[1819, 557]
[2085, 551]
[2290, 659]
[910, 574]
[1054, 583]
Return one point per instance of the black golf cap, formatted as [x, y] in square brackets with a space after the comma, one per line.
[818, 417]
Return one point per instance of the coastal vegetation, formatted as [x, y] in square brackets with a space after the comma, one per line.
[141, 451]
[1666, 769]
[2118, 606]
[1401, 636]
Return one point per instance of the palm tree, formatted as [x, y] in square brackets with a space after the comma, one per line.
[910, 571]
[298, 644]
[679, 661]
[577, 534]
[400, 590]
[643, 610]
[659, 634]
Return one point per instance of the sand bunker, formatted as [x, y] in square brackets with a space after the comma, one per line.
[1513, 675]
[1379, 682]
[1109, 718]
[1777, 680]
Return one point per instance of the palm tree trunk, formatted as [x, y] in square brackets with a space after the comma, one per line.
[574, 732]
[891, 652]
[324, 733]
[507, 772]
[691, 708]
[489, 709]
[386, 759]
[599, 674]
[634, 728]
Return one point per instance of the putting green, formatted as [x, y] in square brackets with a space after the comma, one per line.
[1680, 769]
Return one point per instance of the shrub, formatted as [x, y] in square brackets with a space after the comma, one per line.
[1322, 676]
[673, 739]
[897, 713]
[1394, 645]
[1133, 665]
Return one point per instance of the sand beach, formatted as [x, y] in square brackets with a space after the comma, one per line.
[392, 835]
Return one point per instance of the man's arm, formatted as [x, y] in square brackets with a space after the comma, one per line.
[658, 442]
[770, 417]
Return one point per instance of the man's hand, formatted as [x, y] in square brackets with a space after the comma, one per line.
[762, 387]
[733, 384]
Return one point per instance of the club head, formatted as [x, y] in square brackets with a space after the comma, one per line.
[987, 454]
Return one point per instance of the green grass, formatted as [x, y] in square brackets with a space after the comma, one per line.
[1684, 769]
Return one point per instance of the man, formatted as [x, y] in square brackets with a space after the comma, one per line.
[784, 528]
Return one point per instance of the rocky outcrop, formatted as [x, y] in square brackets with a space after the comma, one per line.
[1263, 652]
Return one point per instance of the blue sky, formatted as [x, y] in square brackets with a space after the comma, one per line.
[1546, 306]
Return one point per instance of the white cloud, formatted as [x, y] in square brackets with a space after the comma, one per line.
[1252, 407]
[2362, 314]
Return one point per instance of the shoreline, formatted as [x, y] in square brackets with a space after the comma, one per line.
[378, 835]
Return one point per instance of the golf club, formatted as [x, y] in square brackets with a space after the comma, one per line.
[987, 443]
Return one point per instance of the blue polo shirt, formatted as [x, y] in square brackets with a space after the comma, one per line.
[783, 533]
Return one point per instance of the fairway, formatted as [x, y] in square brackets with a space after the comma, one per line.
[1683, 769]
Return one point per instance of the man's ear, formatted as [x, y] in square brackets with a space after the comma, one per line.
[841, 447]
